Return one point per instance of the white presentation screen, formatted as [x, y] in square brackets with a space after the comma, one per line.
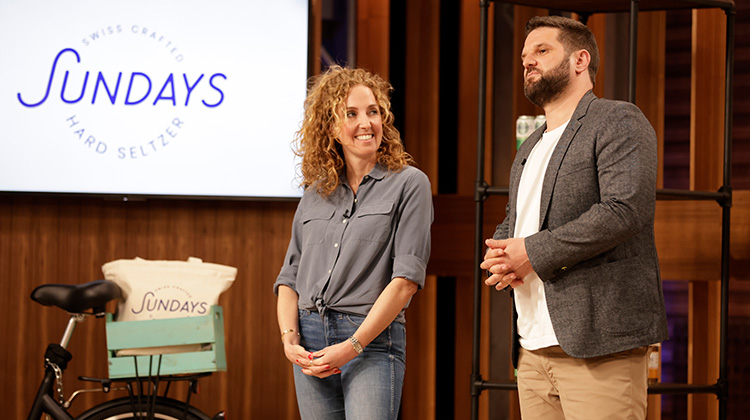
[152, 97]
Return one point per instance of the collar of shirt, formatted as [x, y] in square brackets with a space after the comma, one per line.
[378, 172]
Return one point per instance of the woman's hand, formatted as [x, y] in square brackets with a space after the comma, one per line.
[329, 361]
[310, 363]
[288, 315]
[297, 354]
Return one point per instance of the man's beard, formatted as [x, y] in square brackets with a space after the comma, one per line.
[550, 85]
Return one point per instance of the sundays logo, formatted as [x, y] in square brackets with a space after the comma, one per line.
[163, 91]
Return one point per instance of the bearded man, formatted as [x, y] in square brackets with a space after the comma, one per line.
[577, 245]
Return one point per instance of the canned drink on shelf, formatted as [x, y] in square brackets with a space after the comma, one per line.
[524, 128]
[539, 121]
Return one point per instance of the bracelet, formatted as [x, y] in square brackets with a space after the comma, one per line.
[355, 344]
[290, 330]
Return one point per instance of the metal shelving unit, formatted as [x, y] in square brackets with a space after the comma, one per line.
[585, 8]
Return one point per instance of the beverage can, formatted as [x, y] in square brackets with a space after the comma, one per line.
[539, 121]
[524, 128]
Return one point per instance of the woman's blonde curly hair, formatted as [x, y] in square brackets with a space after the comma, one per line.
[317, 143]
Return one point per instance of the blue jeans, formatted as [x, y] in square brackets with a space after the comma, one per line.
[369, 386]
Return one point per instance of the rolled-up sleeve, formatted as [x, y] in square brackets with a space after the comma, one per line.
[411, 250]
[288, 274]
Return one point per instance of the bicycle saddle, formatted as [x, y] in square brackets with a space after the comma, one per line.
[77, 298]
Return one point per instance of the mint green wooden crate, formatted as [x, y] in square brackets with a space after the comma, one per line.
[207, 329]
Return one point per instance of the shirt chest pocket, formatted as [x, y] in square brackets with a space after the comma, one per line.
[314, 224]
[372, 222]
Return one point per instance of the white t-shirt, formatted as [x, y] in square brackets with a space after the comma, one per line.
[534, 324]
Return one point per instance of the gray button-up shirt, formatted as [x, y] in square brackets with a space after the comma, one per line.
[345, 249]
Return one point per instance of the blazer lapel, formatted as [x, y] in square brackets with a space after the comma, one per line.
[550, 176]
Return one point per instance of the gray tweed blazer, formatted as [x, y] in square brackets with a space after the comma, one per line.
[595, 250]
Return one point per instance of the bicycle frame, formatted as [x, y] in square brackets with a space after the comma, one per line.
[44, 403]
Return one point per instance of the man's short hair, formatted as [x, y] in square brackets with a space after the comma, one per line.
[574, 36]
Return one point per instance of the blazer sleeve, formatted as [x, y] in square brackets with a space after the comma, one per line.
[502, 230]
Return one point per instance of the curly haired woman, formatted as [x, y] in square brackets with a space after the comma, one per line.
[358, 253]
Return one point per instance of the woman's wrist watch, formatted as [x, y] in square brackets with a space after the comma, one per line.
[355, 344]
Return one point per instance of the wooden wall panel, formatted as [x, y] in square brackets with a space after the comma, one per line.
[598, 25]
[695, 223]
[706, 163]
[418, 399]
[649, 88]
[688, 240]
[707, 100]
[463, 351]
[422, 81]
[468, 76]
[421, 94]
[373, 18]
[489, 89]
[649, 97]
[453, 233]
[421, 138]
[8, 324]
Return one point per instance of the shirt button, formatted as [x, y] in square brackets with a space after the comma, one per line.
[344, 221]
[336, 245]
[329, 271]
[355, 200]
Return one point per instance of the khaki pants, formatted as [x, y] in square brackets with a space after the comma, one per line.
[553, 385]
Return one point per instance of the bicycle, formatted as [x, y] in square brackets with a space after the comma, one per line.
[142, 402]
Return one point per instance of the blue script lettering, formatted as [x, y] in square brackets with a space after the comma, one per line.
[151, 304]
[190, 88]
[51, 75]
[170, 83]
[211, 82]
[130, 86]
[65, 83]
[100, 81]
[166, 93]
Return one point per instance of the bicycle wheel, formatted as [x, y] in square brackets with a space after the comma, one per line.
[122, 409]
